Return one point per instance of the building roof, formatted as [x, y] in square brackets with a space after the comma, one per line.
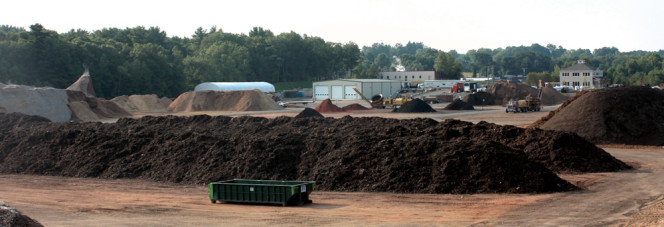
[579, 67]
[361, 80]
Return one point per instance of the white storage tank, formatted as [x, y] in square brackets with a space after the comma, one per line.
[235, 86]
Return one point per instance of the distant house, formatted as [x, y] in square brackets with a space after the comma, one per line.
[581, 75]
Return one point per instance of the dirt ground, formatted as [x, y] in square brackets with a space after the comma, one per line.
[632, 198]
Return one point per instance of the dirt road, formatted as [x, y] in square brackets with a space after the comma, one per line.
[632, 197]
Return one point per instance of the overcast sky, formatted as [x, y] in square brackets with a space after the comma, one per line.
[445, 25]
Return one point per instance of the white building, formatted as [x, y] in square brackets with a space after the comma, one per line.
[581, 75]
[406, 76]
[235, 86]
[343, 88]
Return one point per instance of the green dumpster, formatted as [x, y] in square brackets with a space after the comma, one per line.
[262, 191]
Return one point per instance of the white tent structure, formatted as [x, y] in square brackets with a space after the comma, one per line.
[235, 86]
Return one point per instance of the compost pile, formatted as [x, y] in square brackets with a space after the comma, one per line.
[345, 154]
[12, 217]
[623, 115]
[503, 92]
[247, 100]
[479, 99]
[308, 112]
[457, 104]
[415, 106]
[552, 97]
[326, 106]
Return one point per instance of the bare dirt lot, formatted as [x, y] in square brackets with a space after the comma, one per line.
[632, 198]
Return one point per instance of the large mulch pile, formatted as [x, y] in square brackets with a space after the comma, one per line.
[345, 154]
[503, 92]
[480, 99]
[326, 106]
[624, 115]
[500, 93]
[415, 106]
[9, 217]
[552, 97]
[457, 104]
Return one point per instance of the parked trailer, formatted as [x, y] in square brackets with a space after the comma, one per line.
[262, 191]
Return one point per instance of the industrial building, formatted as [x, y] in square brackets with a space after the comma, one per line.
[343, 88]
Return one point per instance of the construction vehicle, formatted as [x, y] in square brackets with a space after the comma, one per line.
[528, 104]
[380, 102]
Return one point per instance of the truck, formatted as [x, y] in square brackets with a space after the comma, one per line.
[457, 88]
[528, 104]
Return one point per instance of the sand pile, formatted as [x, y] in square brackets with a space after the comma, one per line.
[93, 109]
[354, 107]
[11, 217]
[50, 103]
[457, 104]
[83, 84]
[308, 112]
[326, 106]
[248, 100]
[143, 103]
[345, 154]
[624, 115]
[415, 106]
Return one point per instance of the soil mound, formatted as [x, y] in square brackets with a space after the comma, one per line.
[503, 92]
[415, 106]
[248, 100]
[457, 104]
[11, 217]
[326, 106]
[143, 103]
[345, 154]
[624, 115]
[479, 99]
[83, 84]
[552, 97]
[559, 151]
[50, 103]
[308, 112]
[354, 107]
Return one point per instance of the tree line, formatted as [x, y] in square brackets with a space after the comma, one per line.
[537, 62]
[143, 60]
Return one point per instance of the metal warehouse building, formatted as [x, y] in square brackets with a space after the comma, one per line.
[343, 88]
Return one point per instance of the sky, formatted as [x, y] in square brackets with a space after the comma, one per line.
[459, 25]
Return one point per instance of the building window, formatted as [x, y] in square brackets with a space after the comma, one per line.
[413, 77]
[388, 77]
[420, 76]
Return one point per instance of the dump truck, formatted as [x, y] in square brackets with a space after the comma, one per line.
[529, 104]
[380, 102]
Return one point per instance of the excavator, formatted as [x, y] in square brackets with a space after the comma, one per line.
[380, 102]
